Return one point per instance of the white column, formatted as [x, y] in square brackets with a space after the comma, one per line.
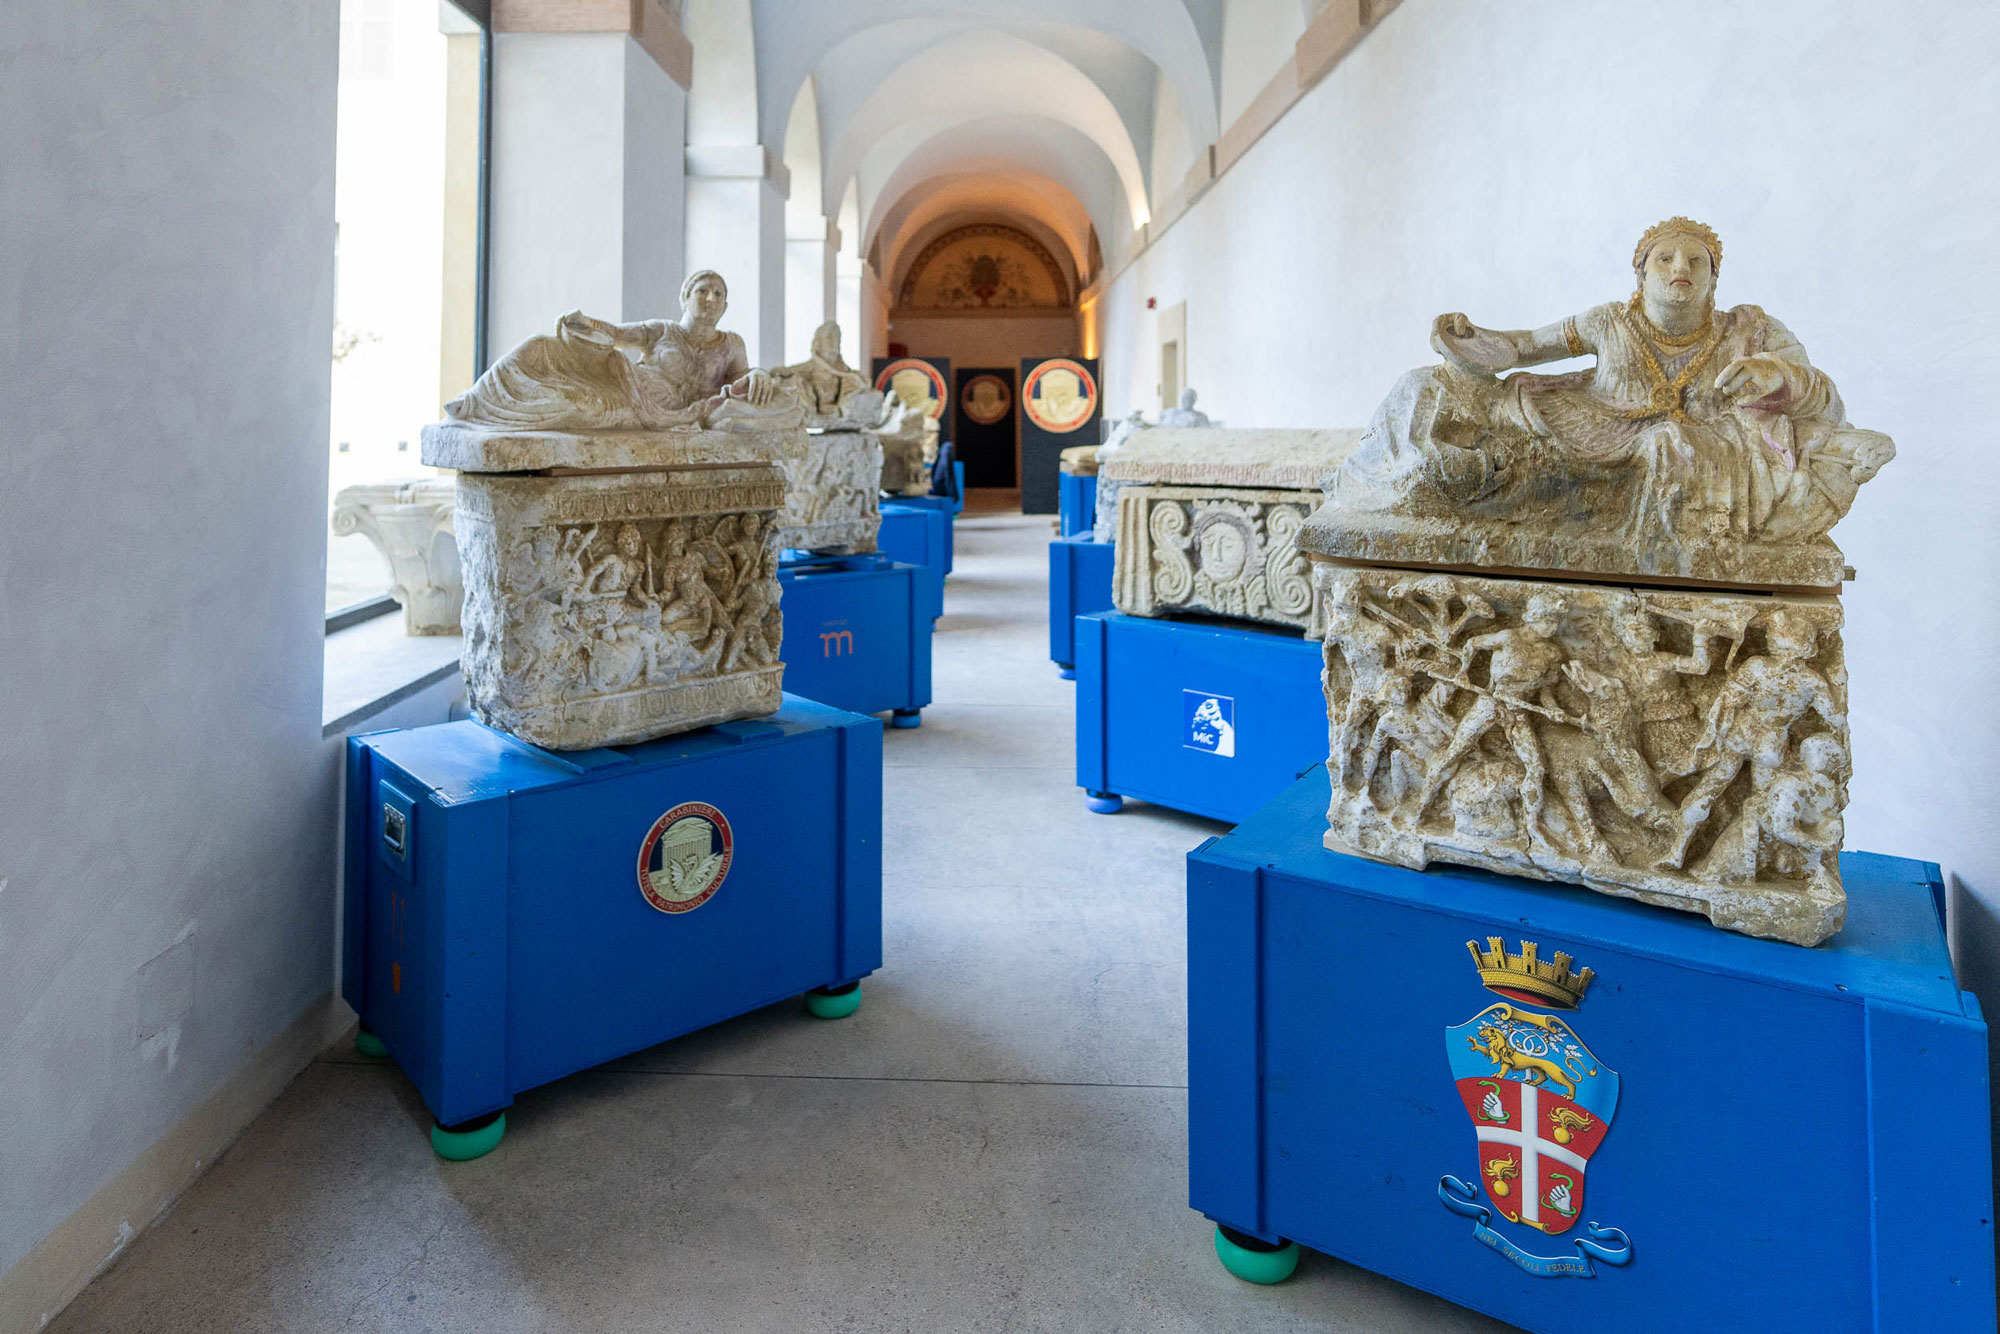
[587, 194]
[736, 226]
[809, 284]
[875, 304]
[847, 309]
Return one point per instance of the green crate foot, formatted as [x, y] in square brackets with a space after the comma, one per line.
[369, 1045]
[1251, 1260]
[463, 1145]
[833, 1002]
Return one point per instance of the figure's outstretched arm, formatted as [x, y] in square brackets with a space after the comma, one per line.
[606, 333]
[1490, 351]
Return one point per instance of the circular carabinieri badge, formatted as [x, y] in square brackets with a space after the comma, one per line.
[917, 383]
[1058, 395]
[985, 399]
[684, 857]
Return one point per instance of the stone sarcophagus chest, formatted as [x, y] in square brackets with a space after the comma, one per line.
[834, 487]
[1587, 627]
[1209, 518]
[833, 493]
[623, 493]
[618, 589]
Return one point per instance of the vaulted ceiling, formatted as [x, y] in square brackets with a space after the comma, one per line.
[922, 114]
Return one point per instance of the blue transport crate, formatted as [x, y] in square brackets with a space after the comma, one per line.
[1208, 718]
[513, 915]
[1076, 503]
[1079, 583]
[944, 505]
[918, 535]
[858, 634]
[1417, 1072]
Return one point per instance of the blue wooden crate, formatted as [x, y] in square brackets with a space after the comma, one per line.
[943, 505]
[1079, 583]
[1204, 717]
[858, 633]
[1076, 503]
[918, 535]
[1776, 1138]
[499, 932]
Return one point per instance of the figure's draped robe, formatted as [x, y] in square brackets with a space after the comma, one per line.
[556, 382]
[1611, 446]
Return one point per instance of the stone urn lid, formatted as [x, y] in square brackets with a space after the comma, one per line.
[1292, 460]
[472, 448]
[1078, 460]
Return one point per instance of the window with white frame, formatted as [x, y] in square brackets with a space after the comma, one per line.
[407, 210]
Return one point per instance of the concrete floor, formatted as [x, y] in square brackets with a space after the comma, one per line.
[997, 1141]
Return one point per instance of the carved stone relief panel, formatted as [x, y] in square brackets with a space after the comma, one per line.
[611, 609]
[1687, 749]
[1227, 552]
[833, 494]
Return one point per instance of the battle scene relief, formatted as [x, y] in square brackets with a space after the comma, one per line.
[1683, 748]
[608, 613]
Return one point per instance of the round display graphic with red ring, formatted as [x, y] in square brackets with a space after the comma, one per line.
[906, 373]
[985, 399]
[685, 857]
[1059, 395]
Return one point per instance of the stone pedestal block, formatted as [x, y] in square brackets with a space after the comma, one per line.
[410, 523]
[1683, 748]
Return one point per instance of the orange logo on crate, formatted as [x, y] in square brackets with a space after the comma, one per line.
[685, 857]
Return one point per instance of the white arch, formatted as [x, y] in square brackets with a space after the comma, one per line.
[1037, 203]
[1181, 37]
[914, 236]
[978, 76]
[1013, 146]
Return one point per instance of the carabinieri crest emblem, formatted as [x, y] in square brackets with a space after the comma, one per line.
[1540, 1104]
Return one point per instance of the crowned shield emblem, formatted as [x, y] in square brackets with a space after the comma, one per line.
[1540, 1105]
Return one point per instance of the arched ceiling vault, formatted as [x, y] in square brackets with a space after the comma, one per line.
[974, 76]
[1181, 38]
[1038, 205]
[917, 115]
[1009, 147]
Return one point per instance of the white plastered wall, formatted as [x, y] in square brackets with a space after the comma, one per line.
[1173, 148]
[166, 811]
[1258, 36]
[1843, 151]
[588, 185]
